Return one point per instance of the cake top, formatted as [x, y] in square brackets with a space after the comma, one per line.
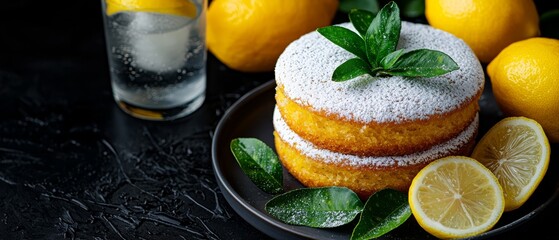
[327, 156]
[305, 68]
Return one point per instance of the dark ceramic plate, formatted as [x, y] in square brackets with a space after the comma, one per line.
[251, 116]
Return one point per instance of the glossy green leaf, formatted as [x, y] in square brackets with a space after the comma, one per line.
[375, 46]
[389, 60]
[383, 34]
[422, 63]
[316, 207]
[361, 20]
[260, 163]
[350, 69]
[345, 38]
[369, 5]
[383, 212]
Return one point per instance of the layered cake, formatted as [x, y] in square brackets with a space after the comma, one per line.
[371, 133]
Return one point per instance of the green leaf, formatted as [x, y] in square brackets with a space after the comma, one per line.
[369, 5]
[422, 63]
[375, 45]
[259, 162]
[316, 207]
[350, 69]
[548, 24]
[361, 20]
[383, 34]
[383, 212]
[389, 60]
[345, 38]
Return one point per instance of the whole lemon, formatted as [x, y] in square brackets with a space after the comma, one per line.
[249, 35]
[487, 26]
[525, 81]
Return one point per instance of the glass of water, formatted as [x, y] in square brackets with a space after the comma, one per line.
[157, 56]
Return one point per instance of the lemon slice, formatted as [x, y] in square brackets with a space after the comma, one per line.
[516, 150]
[184, 8]
[456, 197]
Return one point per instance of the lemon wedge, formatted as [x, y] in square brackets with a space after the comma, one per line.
[516, 150]
[456, 197]
[183, 8]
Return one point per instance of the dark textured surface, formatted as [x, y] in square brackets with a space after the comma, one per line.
[74, 166]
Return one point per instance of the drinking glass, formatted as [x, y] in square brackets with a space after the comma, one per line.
[157, 56]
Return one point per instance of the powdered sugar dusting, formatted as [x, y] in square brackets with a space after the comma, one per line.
[305, 68]
[310, 150]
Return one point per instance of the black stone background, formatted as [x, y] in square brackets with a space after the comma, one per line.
[74, 166]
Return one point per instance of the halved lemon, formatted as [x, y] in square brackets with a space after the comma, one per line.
[183, 8]
[456, 197]
[516, 150]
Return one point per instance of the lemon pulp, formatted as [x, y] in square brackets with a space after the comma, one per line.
[456, 197]
[517, 151]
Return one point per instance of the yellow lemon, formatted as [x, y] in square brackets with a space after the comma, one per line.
[525, 82]
[249, 35]
[456, 197]
[516, 150]
[184, 8]
[487, 26]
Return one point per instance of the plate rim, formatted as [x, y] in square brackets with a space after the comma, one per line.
[231, 195]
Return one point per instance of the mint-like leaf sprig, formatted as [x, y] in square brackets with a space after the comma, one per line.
[374, 46]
